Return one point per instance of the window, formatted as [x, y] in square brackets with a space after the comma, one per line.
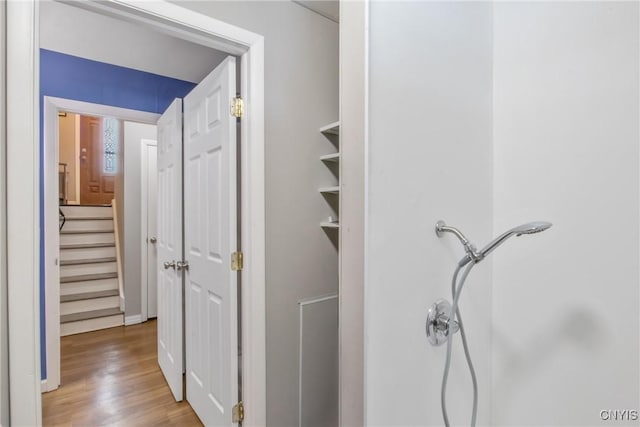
[110, 136]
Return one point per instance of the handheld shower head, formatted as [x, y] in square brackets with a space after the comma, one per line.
[531, 228]
[477, 256]
[528, 228]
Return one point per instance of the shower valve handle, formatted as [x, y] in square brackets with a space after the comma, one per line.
[439, 324]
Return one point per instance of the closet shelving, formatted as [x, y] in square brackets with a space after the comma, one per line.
[332, 161]
[329, 225]
[333, 157]
[331, 129]
[332, 190]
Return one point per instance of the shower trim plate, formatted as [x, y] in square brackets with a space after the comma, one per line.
[437, 326]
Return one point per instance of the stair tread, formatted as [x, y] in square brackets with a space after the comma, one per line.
[85, 315]
[87, 261]
[67, 205]
[89, 295]
[63, 231]
[88, 218]
[87, 245]
[86, 277]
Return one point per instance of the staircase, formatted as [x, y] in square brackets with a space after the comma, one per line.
[89, 288]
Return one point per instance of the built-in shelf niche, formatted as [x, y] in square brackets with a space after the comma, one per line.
[332, 161]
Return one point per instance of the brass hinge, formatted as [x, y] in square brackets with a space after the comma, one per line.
[237, 414]
[237, 107]
[237, 261]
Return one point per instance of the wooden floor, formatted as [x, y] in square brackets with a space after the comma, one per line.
[112, 377]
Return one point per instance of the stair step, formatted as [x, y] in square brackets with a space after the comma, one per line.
[75, 211]
[93, 268]
[88, 254]
[88, 246]
[85, 277]
[89, 286]
[63, 231]
[93, 314]
[87, 261]
[88, 295]
[88, 218]
[90, 325]
[86, 239]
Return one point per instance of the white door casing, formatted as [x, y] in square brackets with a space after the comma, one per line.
[210, 238]
[152, 231]
[169, 244]
[52, 239]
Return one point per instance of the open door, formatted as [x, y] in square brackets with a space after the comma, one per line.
[169, 243]
[210, 208]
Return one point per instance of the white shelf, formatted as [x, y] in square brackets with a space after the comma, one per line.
[333, 157]
[331, 129]
[335, 189]
[329, 225]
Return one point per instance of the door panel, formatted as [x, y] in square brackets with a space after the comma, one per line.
[152, 231]
[96, 186]
[210, 238]
[169, 244]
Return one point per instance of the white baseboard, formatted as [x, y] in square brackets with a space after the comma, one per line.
[133, 320]
[44, 386]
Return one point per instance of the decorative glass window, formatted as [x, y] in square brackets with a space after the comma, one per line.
[110, 136]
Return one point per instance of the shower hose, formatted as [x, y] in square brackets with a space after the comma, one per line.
[455, 312]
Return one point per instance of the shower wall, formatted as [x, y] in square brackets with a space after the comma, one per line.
[566, 149]
[487, 115]
[429, 158]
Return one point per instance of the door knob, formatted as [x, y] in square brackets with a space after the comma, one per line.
[168, 265]
[153, 240]
[182, 265]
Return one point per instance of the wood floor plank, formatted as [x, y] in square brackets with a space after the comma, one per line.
[112, 377]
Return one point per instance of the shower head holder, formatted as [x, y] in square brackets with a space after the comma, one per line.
[438, 323]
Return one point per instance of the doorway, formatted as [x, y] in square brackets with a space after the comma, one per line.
[22, 214]
[210, 234]
[86, 233]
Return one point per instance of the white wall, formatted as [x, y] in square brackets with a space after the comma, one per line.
[134, 133]
[4, 350]
[566, 131]
[488, 119]
[301, 95]
[353, 39]
[75, 31]
[430, 158]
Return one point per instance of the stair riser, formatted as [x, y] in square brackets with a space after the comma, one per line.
[88, 253]
[79, 239]
[88, 305]
[101, 224]
[88, 286]
[91, 325]
[87, 211]
[78, 270]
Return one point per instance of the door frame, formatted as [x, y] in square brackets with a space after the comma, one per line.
[22, 173]
[144, 213]
[52, 106]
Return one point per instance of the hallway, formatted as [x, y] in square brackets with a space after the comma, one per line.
[112, 377]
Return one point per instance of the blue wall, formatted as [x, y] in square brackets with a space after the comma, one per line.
[71, 77]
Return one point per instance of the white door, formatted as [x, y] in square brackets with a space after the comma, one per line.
[210, 238]
[152, 231]
[170, 307]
